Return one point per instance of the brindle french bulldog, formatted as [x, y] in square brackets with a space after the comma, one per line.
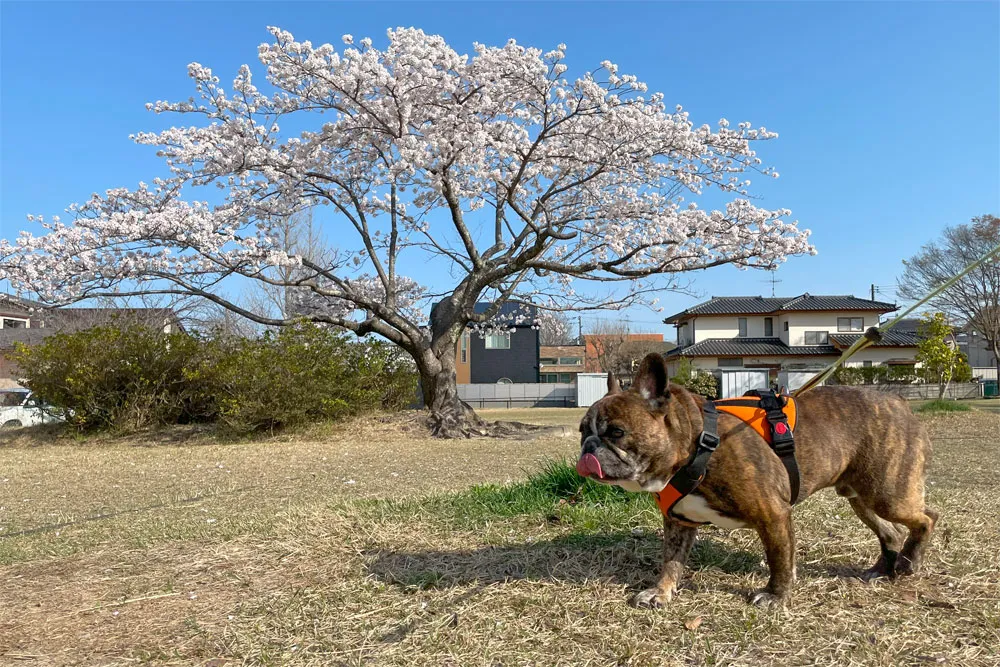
[865, 444]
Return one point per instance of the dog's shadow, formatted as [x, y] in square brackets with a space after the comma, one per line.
[619, 557]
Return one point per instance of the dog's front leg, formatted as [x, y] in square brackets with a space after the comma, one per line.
[677, 541]
[778, 536]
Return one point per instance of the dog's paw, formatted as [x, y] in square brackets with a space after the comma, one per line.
[766, 600]
[906, 567]
[653, 598]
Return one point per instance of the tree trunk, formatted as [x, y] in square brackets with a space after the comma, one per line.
[996, 358]
[450, 416]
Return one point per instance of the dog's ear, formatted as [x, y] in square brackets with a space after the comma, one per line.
[651, 381]
[614, 387]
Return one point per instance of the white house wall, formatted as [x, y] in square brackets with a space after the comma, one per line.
[712, 363]
[800, 323]
[715, 327]
[779, 328]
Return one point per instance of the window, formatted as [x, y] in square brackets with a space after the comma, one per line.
[570, 361]
[10, 323]
[566, 378]
[850, 324]
[768, 326]
[731, 362]
[548, 378]
[817, 338]
[498, 341]
[742, 323]
[465, 348]
[547, 361]
[786, 325]
[866, 363]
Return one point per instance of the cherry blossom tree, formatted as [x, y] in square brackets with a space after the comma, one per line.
[511, 179]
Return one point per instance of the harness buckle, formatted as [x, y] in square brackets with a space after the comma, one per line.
[708, 441]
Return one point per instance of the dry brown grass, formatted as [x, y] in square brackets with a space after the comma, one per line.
[281, 561]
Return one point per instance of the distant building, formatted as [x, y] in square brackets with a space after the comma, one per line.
[803, 332]
[970, 343]
[510, 357]
[621, 353]
[561, 363]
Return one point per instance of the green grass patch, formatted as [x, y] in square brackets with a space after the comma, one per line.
[943, 406]
[555, 492]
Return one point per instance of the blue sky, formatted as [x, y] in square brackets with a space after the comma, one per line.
[889, 113]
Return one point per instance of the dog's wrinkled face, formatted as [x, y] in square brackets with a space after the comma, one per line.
[624, 436]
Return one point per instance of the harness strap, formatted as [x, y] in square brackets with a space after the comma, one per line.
[782, 438]
[691, 475]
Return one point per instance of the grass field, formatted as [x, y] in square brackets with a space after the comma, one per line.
[366, 544]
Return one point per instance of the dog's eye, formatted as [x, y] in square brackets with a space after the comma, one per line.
[615, 433]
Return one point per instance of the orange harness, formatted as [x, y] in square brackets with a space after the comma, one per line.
[748, 409]
[772, 416]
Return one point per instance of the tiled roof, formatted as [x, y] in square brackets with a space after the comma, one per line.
[758, 305]
[751, 347]
[890, 338]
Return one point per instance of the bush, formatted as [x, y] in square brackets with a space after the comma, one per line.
[125, 379]
[116, 378]
[301, 374]
[699, 382]
[943, 406]
[874, 375]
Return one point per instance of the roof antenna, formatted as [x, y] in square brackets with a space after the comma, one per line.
[773, 280]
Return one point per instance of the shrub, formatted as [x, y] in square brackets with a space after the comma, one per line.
[699, 382]
[943, 406]
[125, 379]
[119, 378]
[885, 374]
[302, 373]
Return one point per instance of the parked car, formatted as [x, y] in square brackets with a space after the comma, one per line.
[19, 407]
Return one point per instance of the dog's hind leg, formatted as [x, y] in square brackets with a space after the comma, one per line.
[890, 538]
[921, 526]
[917, 517]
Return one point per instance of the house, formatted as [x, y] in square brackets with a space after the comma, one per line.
[29, 322]
[509, 357]
[561, 363]
[619, 352]
[979, 353]
[804, 332]
[971, 343]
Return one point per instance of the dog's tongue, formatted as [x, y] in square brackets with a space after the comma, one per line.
[589, 465]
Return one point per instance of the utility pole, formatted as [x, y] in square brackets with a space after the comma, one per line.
[873, 291]
[579, 329]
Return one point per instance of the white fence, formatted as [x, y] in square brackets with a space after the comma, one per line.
[527, 395]
[737, 383]
[925, 391]
[590, 388]
[985, 372]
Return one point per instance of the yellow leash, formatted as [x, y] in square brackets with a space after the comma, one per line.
[874, 334]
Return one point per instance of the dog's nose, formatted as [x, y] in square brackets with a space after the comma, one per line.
[590, 444]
